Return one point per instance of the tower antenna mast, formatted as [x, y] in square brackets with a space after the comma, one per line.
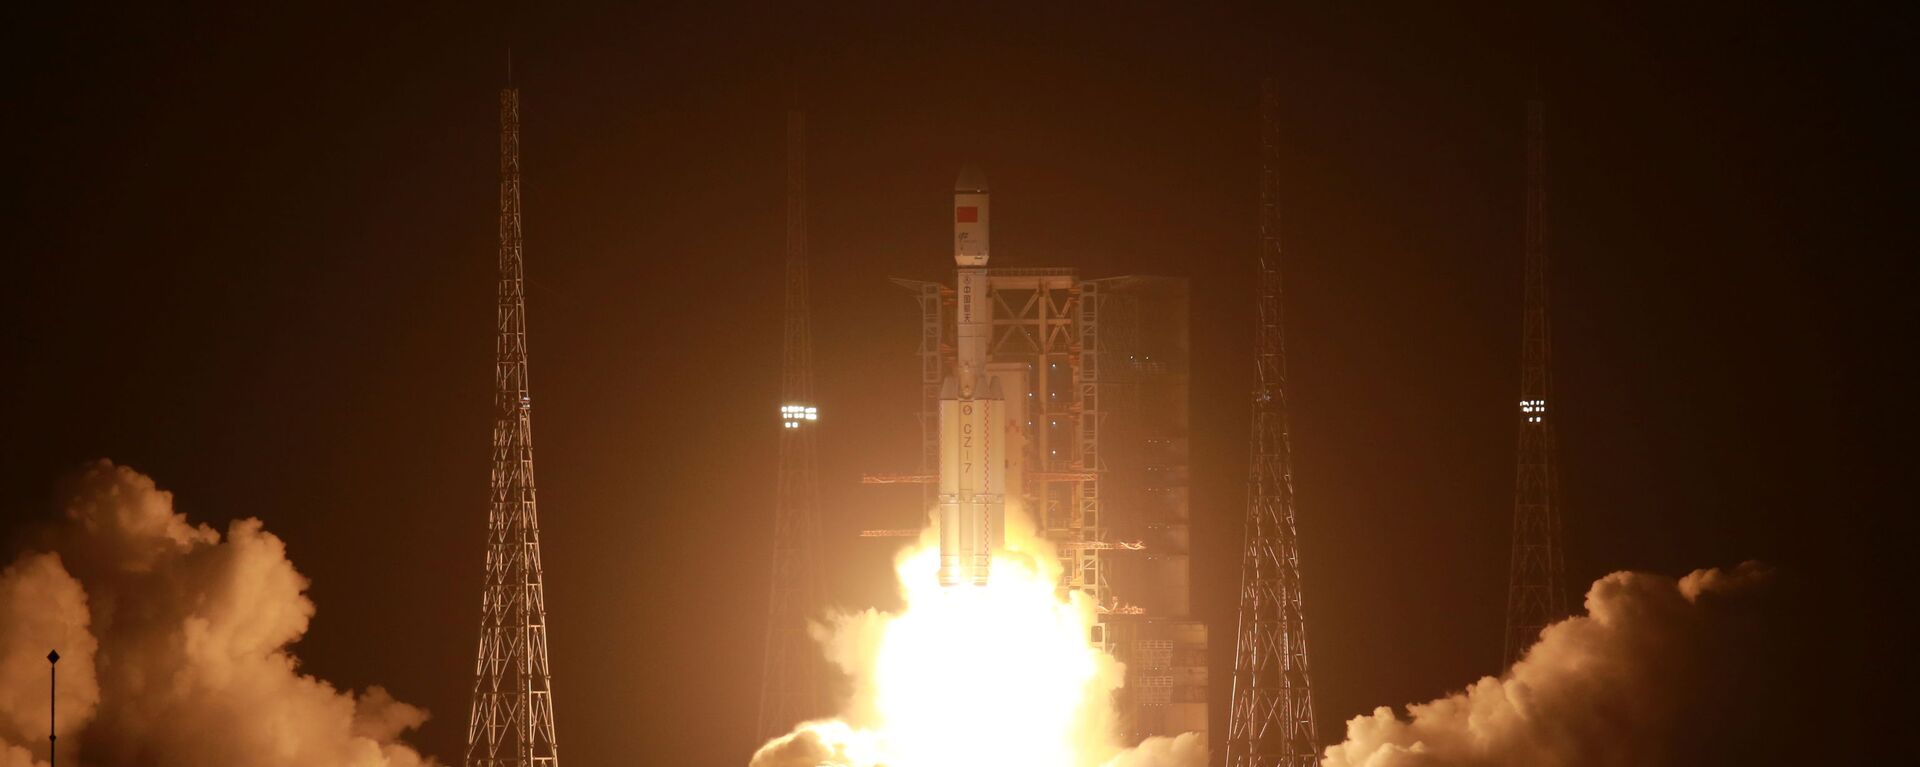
[790, 687]
[1536, 588]
[1271, 723]
[511, 724]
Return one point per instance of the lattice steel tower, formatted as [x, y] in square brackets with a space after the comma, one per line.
[791, 686]
[511, 724]
[1271, 721]
[1536, 588]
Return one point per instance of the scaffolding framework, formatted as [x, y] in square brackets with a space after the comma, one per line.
[1069, 350]
[1536, 581]
[1046, 321]
[791, 686]
[1271, 721]
[511, 722]
[1086, 529]
[936, 302]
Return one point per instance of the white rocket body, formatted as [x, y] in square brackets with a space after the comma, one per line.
[973, 417]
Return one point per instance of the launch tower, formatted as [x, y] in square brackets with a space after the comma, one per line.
[1536, 588]
[1271, 723]
[790, 687]
[511, 724]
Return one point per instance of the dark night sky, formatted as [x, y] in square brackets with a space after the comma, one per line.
[251, 254]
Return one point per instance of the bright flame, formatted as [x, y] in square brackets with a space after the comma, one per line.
[1001, 674]
[969, 673]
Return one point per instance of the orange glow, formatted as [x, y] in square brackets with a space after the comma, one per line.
[999, 674]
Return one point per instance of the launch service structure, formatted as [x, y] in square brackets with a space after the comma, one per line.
[1064, 400]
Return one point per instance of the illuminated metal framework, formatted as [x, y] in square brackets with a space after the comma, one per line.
[1101, 418]
[790, 689]
[1090, 445]
[936, 304]
[1046, 331]
[1536, 588]
[1047, 325]
[1086, 528]
[511, 723]
[1271, 721]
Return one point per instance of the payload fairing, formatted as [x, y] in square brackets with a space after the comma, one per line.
[974, 449]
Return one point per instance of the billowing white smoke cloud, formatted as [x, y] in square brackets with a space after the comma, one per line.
[1187, 749]
[41, 607]
[1659, 672]
[173, 646]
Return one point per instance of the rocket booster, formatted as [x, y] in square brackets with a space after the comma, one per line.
[973, 446]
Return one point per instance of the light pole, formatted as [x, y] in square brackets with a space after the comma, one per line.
[53, 684]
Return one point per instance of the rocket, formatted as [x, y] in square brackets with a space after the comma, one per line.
[973, 414]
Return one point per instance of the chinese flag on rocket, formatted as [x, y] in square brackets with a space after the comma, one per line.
[966, 214]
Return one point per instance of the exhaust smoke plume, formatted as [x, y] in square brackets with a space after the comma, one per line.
[1000, 674]
[173, 646]
[1659, 672]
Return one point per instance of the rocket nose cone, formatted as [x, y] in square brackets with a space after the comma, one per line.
[971, 180]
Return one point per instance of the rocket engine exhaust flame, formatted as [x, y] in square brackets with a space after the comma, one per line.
[999, 673]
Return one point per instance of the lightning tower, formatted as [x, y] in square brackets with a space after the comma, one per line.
[790, 688]
[511, 724]
[1271, 723]
[1536, 591]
